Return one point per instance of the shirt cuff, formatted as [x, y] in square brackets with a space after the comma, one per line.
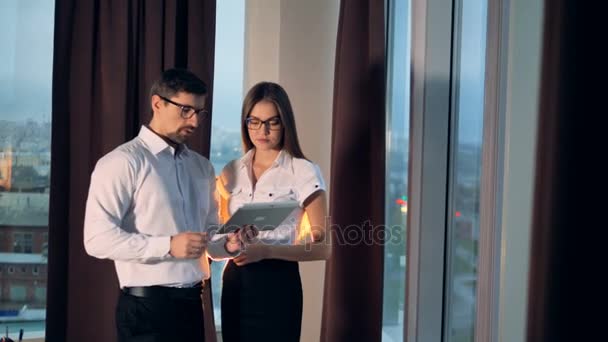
[158, 247]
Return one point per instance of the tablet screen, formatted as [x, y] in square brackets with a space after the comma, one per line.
[265, 216]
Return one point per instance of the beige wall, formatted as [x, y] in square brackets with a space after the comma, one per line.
[292, 42]
[262, 38]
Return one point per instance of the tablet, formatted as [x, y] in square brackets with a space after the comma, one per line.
[265, 216]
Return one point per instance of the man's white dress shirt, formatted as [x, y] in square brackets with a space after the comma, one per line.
[141, 194]
[288, 179]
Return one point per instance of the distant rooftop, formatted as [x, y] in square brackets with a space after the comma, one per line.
[22, 258]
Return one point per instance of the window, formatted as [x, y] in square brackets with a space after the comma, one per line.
[45, 245]
[227, 98]
[464, 189]
[22, 242]
[40, 294]
[397, 140]
[17, 293]
[26, 64]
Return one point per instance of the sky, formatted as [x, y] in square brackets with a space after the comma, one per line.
[26, 64]
[26, 60]
[229, 63]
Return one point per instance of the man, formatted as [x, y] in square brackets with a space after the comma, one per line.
[150, 209]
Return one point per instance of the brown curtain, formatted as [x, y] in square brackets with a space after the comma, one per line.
[567, 261]
[107, 54]
[352, 308]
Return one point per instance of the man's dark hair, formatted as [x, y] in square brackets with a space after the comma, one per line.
[177, 80]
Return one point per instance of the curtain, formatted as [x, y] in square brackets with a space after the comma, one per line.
[352, 309]
[567, 253]
[106, 55]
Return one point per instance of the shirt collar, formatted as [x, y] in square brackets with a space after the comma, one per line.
[283, 159]
[247, 158]
[156, 144]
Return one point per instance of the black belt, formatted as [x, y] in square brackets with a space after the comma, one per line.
[193, 292]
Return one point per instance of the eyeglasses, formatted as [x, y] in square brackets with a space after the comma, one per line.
[273, 124]
[186, 111]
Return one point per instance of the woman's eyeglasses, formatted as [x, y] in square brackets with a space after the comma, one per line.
[273, 124]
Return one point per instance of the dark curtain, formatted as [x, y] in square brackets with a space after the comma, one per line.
[106, 55]
[352, 308]
[567, 259]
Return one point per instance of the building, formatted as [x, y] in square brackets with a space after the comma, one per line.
[24, 171]
[23, 250]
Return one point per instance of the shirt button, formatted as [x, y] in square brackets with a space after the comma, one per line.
[316, 186]
[270, 195]
[249, 195]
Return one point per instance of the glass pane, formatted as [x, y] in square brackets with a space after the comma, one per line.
[397, 140]
[463, 221]
[227, 98]
[26, 64]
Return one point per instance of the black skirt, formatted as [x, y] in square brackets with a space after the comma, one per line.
[262, 301]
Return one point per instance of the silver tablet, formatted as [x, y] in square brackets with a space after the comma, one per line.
[265, 216]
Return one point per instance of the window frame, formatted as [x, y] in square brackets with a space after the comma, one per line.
[492, 174]
[428, 169]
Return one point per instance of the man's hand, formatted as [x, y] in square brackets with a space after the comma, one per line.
[188, 245]
[235, 241]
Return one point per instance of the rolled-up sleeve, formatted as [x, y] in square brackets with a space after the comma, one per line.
[308, 180]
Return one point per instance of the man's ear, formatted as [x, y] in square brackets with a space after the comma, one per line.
[155, 103]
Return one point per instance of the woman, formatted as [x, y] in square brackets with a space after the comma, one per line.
[261, 290]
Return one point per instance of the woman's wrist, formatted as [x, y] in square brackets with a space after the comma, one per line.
[266, 251]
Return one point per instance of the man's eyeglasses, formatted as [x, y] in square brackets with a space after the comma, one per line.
[186, 111]
[273, 124]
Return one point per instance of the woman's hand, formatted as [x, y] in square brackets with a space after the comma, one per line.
[236, 241]
[252, 253]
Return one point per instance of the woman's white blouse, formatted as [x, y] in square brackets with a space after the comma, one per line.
[287, 179]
